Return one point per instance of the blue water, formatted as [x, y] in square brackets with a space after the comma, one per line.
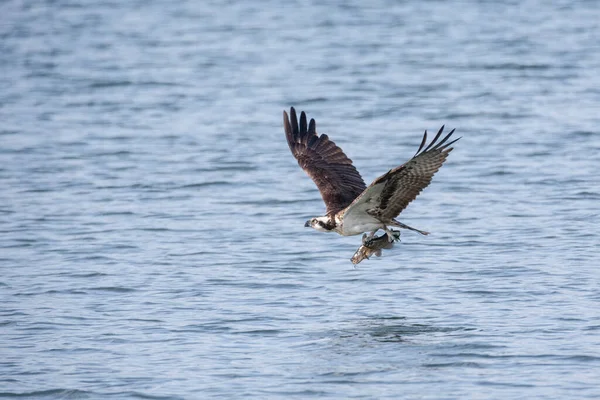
[152, 240]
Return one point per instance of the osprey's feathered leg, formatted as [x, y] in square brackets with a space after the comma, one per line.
[401, 225]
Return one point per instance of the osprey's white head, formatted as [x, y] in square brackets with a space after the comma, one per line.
[322, 224]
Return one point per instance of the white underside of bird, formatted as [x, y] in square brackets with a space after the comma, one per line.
[356, 219]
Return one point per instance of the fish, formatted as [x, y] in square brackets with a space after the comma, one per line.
[373, 245]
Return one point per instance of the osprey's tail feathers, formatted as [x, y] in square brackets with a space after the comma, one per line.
[401, 225]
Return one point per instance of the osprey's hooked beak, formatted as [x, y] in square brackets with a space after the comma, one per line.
[307, 224]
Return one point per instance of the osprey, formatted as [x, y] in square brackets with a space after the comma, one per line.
[352, 207]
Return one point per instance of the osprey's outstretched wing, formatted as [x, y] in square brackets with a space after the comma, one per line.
[332, 171]
[391, 193]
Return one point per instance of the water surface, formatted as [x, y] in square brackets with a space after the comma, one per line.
[151, 215]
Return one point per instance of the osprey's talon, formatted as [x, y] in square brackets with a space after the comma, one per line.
[392, 235]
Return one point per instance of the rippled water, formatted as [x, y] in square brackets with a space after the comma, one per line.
[151, 215]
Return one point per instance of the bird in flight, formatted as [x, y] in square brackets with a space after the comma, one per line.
[352, 207]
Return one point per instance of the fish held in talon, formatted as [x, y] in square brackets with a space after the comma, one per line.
[374, 245]
[353, 208]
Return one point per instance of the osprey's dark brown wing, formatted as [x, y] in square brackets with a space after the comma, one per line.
[404, 183]
[327, 165]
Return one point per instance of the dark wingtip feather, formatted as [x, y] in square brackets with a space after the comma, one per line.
[440, 144]
[434, 144]
[294, 122]
[303, 128]
[422, 143]
[288, 131]
[332, 171]
[286, 123]
[312, 127]
[437, 136]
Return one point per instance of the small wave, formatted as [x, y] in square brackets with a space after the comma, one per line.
[158, 83]
[467, 364]
[587, 195]
[271, 202]
[116, 289]
[113, 153]
[593, 328]
[497, 173]
[85, 274]
[109, 84]
[225, 168]
[51, 394]
[259, 332]
[582, 358]
[512, 66]
[582, 133]
[81, 394]
[204, 184]
[138, 395]
[115, 213]
[8, 132]
[312, 100]
[38, 190]
[508, 384]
